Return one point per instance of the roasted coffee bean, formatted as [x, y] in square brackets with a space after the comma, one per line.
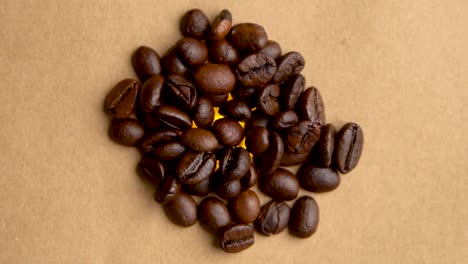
[150, 121]
[291, 158]
[272, 48]
[181, 91]
[287, 65]
[246, 94]
[150, 95]
[250, 178]
[237, 237]
[169, 151]
[257, 140]
[304, 217]
[285, 120]
[221, 51]
[258, 119]
[213, 214]
[291, 90]
[150, 142]
[227, 189]
[191, 51]
[281, 185]
[348, 147]
[273, 218]
[194, 167]
[248, 36]
[201, 189]
[120, 102]
[325, 145]
[195, 24]
[218, 99]
[167, 189]
[256, 69]
[271, 159]
[203, 113]
[237, 110]
[245, 207]
[228, 131]
[146, 63]
[199, 140]
[316, 179]
[171, 63]
[172, 117]
[152, 169]
[221, 25]
[126, 131]
[214, 79]
[234, 163]
[302, 137]
[310, 106]
[268, 99]
[182, 210]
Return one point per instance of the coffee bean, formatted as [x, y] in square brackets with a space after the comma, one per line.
[150, 95]
[199, 140]
[268, 99]
[237, 110]
[228, 132]
[237, 237]
[287, 65]
[316, 179]
[246, 94]
[245, 207]
[271, 159]
[152, 169]
[302, 137]
[181, 91]
[310, 106]
[126, 131]
[325, 145]
[195, 24]
[221, 51]
[194, 167]
[250, 178]
[150, 121]
[291, 158]
[171, 63]
[258, 119]
[221, 25]
[213, 214]
[150, 142]
[257, 140]
[169, 151]
[291, 90]
[218, 99]
[234, 163]
[248, 36]
[120, 102]
[201, 189]
[214, 79]
[281, 185]
[167, 189]
[272, 48]
[191, 51]
[285, 120]
[172, 117]
[273, 218]
[304, 217]
[203, 113]
[227, 189]
[348, 147]
[256, 69]
[182, 210]
[146, 63]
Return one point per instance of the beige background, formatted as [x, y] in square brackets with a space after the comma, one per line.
[399, 68]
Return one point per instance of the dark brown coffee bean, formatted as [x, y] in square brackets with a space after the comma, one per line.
[291, 158]
[256, 69]
[271, 159]
[257, 140]
[348, 147]
[218, 99]
[195, 167]
[310, 106]
[181, 92]
[250, 178]
[167, 190]
[169, 151]
[120, 102]
[237, 110]
[214, 79]
[213, 214]
[221, 51]
[248, 36]
[146, 63]
[316, 179]
[258, 119]
[172, 64]
[245, 207]
[150, 96]
[237, 237]
[287, 65]
[281, 185]
[227, 189]
[234, 163]
[126, 131]
[291, 90]
[302, 137]
[201, 189]
[325, 145]
[172, 117]
[221, 25]
[246, 94]
[150, 121]
[182, 210]
[199, 140]
[304, 217]
[203, 113]
[152, 169]
[272, 48]
[191, 51]
[195, 24]
[273, 218]
[268, 99]
[150, 142]
[228, 131]
[285, 120]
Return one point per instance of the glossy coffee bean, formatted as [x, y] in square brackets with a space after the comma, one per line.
[146, 63]
[152, 169]
[214, 79]
[150, 96]
[310, 106]
[228, 189]
[291, 158]
[191, 51]
[246, 94]
[248, 36]
[237, 237]
[150, 121]
[167, 189]
[273, 218]
[291, 90]
[195, 24]
[200, 189]
[218, 99]
[213, 214]
[203, 113]
[304, 217]
[120, 102]
[221, 51]
[281, 185]
[234, 163]
[150, 142]
[285, 120]
[316, 179]
[228, 132]
[258, 119]
[256, 69]
[237, 110]
[326, 145]
[169, 151]
[250, 178]
[181, 92]
[348, 147]
[172, 117]
[221, 25]
[302, 137]
[287, 65]
[182, 210]
[271, 159]
[268, 99]
[199, 139]
[272, 48]
[257, 140]
[172, 64]
[194, 167]
[245, 207]
[126, 131]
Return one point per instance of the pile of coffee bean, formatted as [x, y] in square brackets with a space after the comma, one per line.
[217, 86]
